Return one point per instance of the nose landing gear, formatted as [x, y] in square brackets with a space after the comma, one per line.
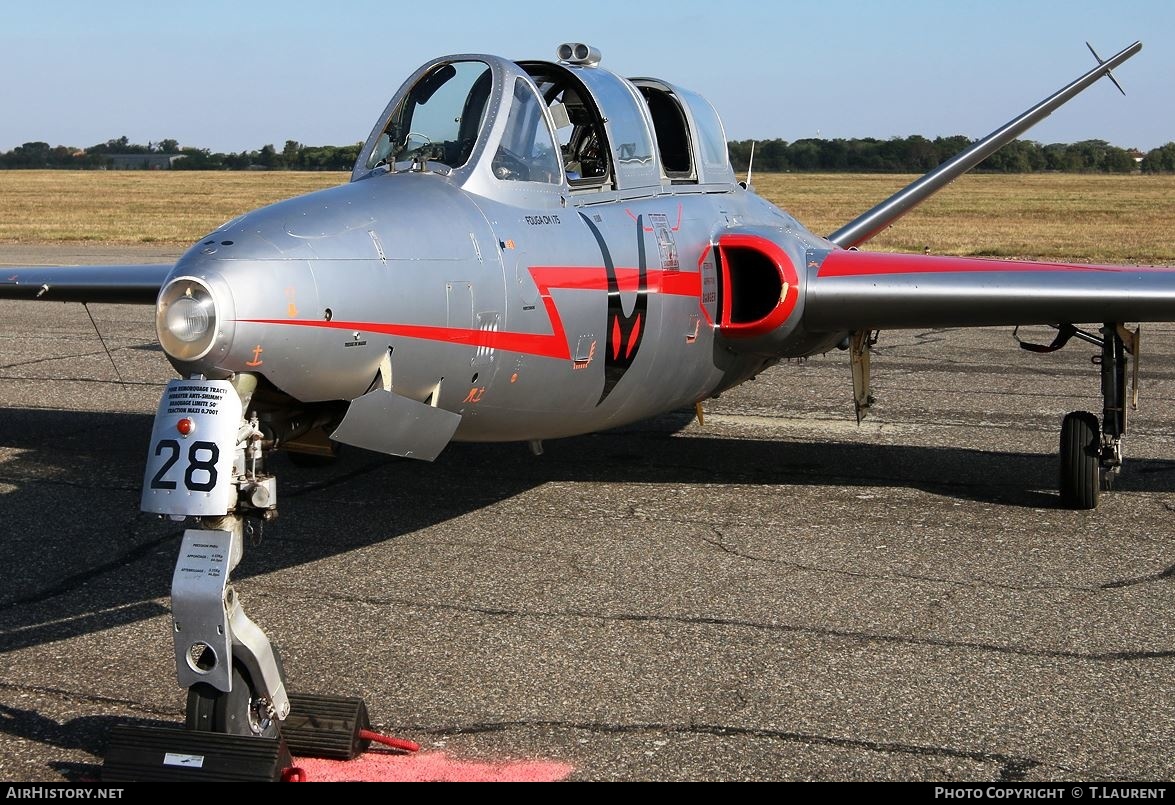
[240, 723]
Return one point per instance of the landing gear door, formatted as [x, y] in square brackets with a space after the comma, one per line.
[193, 445]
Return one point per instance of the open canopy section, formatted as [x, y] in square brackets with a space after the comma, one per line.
[494, 125]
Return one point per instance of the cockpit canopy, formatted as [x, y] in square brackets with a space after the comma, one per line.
[495, 126]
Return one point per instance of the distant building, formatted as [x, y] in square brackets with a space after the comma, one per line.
[140, 162]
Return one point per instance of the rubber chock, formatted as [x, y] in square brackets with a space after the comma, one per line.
[163, 755]
[326, 726]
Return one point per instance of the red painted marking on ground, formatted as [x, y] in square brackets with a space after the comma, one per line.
[427, 767]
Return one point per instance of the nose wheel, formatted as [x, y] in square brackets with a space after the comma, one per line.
[240, 711]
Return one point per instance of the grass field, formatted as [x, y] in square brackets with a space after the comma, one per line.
[1129, 219]
[138, 206]
[1057, 216]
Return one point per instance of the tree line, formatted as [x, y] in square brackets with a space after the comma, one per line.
[294, 156]
[914, 154]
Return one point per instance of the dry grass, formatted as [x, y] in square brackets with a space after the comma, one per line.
[1072, 217]
[137, 206]
[1129, 219]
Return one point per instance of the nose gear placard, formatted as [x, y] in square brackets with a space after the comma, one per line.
[193, 443]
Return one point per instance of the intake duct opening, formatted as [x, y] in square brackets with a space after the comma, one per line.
[754, 284]
[759, 287]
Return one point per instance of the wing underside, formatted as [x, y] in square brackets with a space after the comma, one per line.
[129, 284]
[852, 290]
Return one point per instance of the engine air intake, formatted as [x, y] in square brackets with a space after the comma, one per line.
[759, 285]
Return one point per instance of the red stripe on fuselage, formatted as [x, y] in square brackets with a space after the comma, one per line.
[547, 346]
[595, 278]
[864, 264]
[547, 278]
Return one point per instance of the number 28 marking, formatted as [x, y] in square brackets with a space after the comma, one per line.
[196, 464]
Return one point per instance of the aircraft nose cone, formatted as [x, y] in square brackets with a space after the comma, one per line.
[260, 277]
[195, 318]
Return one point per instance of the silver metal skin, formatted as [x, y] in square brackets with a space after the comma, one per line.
[578, 53]
[389, 423]
[530, 250]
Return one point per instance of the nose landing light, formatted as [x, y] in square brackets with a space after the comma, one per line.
[186, 319]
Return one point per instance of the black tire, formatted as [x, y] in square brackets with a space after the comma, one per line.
[232, 713]
[1080, 468]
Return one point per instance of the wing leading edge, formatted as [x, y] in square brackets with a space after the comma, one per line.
[127, 284]
[852, 290]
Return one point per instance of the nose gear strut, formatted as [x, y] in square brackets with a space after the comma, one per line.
[240, 721]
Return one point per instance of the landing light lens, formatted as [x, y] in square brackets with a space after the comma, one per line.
[186, 319]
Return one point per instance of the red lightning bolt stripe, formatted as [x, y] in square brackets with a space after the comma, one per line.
[548, 279]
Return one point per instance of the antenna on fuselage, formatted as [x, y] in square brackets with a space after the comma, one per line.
[750, 163]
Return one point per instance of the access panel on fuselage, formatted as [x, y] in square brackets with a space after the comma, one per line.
[416, 280]
[607, 319]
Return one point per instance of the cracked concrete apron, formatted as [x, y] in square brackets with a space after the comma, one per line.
[777, 595]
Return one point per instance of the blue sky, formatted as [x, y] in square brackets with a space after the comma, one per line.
[232, 76]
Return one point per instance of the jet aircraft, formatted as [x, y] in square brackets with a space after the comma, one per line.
[530, 250]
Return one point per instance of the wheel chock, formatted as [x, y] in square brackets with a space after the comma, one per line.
[326, 726]
[163, 755]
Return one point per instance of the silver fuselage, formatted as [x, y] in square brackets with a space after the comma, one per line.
[505, 307]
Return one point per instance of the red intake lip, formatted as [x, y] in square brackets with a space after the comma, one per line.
[788, 280]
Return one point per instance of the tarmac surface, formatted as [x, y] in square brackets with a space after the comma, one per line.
[777, 594]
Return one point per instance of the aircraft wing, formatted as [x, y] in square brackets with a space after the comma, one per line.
[854, 290]
[129, 284]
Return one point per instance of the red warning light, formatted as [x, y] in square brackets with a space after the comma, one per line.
[185, 426]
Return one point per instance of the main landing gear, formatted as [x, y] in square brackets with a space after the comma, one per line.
[1091, 451]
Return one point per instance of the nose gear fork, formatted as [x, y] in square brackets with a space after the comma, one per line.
[212, 633]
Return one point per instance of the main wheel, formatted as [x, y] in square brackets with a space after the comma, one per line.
[238, 712]
[1080, 468]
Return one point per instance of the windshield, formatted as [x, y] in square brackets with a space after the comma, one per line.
[439, 119]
